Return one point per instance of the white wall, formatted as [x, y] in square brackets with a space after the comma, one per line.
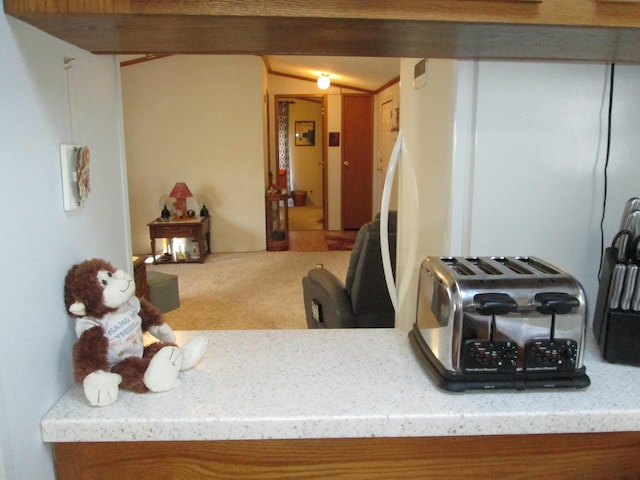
[334, 165]
[40, 241]
[426, 123]
[197, 119]
[525, 173]
[624, 163]
[539, 152]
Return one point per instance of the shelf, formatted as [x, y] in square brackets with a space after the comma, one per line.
[277, 221]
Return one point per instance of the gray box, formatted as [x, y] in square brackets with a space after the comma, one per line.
[163, 290]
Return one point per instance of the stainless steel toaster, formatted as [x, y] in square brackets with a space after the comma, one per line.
[499, 322]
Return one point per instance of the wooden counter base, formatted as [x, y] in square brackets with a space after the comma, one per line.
[590, 455]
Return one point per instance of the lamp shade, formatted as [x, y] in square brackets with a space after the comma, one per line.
[180, 190]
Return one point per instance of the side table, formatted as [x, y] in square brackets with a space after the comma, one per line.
[196, 228]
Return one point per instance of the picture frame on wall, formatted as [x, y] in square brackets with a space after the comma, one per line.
[305, 133]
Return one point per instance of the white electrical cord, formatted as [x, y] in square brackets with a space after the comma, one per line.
[384, 221]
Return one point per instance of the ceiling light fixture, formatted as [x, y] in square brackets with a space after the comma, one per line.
[324, 81]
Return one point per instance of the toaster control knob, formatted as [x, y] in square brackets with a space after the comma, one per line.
[551, 355]
[568, 353]
[482, 356]
[509, 353]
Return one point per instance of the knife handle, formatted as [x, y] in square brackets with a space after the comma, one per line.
[629, 287]
[620, 244]
[615, 289]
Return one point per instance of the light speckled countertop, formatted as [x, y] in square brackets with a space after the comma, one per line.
[291, 384]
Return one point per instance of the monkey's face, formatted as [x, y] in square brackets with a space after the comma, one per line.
[118, 287]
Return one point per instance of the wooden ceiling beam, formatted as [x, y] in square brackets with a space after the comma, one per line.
[587, 30]
[596, 13]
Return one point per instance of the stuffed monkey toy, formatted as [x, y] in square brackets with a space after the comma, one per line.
[110, 323]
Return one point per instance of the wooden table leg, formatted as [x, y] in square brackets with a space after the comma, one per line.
[153, 249]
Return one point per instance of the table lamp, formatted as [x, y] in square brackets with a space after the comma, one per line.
[181, 192]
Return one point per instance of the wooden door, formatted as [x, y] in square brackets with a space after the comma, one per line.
[357, 160]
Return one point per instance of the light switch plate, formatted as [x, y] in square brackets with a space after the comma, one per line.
[420, 74]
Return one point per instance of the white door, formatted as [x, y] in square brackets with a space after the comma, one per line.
[388, 134]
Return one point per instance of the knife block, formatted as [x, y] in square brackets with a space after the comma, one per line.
[617, 332]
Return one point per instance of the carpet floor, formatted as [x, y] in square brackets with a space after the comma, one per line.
[246, 291]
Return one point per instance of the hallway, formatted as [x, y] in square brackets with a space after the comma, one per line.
[305, 218]
[306, 233]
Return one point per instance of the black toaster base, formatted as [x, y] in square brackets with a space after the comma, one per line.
[518, 381]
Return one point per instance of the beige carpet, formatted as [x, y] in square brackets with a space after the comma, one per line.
[245, 291]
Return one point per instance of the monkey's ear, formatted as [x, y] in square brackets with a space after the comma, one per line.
[78, 308]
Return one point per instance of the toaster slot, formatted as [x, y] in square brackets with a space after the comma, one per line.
[457, 266]
[486, 267]
[552, 354]
[539, 266]
[490, 355]
[513, 266]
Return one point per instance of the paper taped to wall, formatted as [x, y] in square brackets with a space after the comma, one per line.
[74, 166]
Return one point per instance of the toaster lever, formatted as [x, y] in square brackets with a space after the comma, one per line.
[494, 304]
[490, 356]
[552, 354]
[550, 303]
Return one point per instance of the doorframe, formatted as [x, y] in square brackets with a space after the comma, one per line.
[324, 140]
[380, 161]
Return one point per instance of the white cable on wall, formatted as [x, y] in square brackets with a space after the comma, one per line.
[73, 114]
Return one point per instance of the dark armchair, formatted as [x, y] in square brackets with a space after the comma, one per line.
[362, 301]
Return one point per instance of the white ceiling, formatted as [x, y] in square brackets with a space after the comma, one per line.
[365, 73]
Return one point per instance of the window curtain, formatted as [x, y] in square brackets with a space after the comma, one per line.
[283, 137]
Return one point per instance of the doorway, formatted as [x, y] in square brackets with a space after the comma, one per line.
[301, 158]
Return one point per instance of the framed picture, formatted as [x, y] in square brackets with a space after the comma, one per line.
[305, 134]
[334, 139]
